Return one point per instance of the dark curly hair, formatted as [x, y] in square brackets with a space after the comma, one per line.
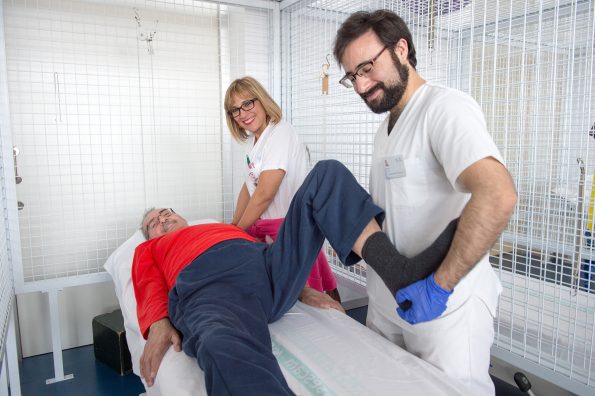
[388, 26]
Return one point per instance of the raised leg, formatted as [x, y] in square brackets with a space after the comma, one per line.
[330, 203]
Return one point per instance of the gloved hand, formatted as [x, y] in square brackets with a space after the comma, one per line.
[427, 300]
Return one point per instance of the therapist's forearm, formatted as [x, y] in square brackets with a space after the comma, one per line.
[471, 242]
[242, 203]
[255, 208]
[268, 186]
[483, 219]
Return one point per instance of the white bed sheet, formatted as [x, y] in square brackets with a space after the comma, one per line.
[321, 352]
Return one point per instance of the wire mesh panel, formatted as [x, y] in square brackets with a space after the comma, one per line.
[116, 107]
[334, 125]
[246, 50]
[6, 190]
[530, 66]
[532, 73]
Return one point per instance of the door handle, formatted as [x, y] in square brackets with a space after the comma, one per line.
[15, 152]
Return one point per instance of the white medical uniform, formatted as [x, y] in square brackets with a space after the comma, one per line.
[439, 134]
[277, 148]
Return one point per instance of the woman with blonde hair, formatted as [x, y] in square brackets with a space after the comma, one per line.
[275, 166]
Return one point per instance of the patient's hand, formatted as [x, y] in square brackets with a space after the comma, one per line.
[319, 300]
[161, 336]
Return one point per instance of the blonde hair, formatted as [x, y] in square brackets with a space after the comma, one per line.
[251, 88]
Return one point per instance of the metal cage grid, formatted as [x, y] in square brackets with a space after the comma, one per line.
[530, 66]
[8, 207]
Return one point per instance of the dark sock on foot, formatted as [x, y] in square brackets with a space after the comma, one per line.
[398, 271]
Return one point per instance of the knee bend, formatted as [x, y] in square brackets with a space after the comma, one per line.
[329, 166]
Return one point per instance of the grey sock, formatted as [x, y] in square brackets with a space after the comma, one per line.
[398, 271]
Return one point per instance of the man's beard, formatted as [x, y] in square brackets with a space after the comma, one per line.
[392, 94]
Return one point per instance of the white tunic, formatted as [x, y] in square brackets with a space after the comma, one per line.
[277, 148]
[414, 170]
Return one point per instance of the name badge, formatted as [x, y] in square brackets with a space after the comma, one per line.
[394, 167]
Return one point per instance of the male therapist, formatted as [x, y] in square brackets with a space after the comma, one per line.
[433, 161]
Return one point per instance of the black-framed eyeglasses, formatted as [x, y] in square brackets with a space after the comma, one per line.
[246, 105]
[362, 70]
[164, 213]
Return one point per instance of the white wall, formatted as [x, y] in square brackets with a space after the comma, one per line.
[78, 306]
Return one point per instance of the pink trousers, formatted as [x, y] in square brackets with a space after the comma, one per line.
[321, 277]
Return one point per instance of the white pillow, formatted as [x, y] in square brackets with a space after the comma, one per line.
[119, 266]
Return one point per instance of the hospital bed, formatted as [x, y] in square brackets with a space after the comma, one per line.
[321, 352]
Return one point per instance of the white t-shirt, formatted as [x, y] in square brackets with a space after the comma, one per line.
[277, 148]
[413, 177]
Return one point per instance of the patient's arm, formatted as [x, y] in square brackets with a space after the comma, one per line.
[319, 300]
[161, 336]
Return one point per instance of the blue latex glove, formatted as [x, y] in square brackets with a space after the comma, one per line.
[427, 300]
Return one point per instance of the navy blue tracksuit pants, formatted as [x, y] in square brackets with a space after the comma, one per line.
[223, 301]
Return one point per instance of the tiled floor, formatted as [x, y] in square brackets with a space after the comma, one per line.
[91, 378]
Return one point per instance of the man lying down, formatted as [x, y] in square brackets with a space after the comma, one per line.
[219, 288]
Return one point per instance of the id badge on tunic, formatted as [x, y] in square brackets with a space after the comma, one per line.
[394, 167]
